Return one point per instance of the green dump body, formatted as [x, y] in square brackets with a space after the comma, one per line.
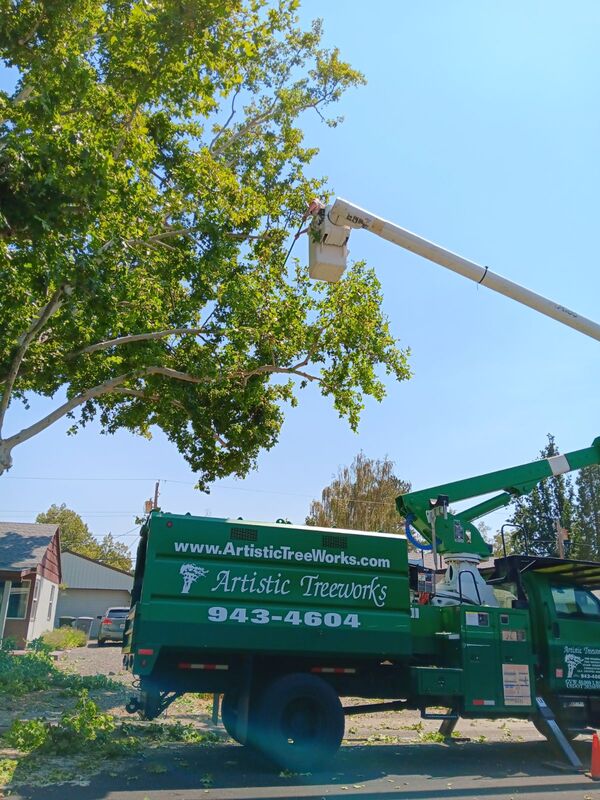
[224, 585]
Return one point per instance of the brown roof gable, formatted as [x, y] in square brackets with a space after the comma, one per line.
[23, 545]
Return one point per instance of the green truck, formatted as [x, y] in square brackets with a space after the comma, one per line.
[284, 620]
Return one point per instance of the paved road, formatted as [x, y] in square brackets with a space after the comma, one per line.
[460, 771]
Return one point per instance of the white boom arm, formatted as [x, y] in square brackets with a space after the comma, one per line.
[327, 259]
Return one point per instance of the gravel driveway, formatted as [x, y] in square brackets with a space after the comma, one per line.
[94, 660]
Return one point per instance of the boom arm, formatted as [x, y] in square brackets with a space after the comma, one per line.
[328, 252]
[455, 533]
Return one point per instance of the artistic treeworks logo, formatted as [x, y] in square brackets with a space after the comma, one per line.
[190, 574]
[572, 661]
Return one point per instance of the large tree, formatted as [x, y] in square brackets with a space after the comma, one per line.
[76, 536]
[536, 514]
[361, 497]
[586, 527]
[151, 169]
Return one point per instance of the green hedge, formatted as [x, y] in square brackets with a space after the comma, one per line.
[64, 638]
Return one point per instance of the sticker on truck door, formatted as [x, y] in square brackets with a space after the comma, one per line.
[582, 667]
[516, 685]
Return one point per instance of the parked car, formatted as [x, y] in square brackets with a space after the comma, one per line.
[112, 625]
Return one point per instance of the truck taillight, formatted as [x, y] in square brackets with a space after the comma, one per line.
[146, 652]
[107, 621]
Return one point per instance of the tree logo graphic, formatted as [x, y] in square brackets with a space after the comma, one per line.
[190, 574]
[572, 662]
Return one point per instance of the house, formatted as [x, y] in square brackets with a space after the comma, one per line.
[30, 573]
[89, 588]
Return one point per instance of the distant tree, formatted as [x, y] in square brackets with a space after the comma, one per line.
[114, 553]
[512, 542]
[74, 533]
[361, 497]
[536, 514]
[586, 527]
[76, 536]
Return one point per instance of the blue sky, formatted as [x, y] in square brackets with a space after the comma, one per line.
[479, 129]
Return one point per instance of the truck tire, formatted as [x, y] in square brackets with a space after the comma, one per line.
[229, 714]
[298, 722]
[149, 703]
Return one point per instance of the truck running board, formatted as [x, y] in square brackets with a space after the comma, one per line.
[452, 715]
[558, 736]
[448, 724]
[395, 705]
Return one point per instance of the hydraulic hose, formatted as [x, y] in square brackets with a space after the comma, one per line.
[415, 542]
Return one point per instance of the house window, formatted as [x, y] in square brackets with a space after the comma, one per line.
[51, 603]
[36, 597]
[17, 600]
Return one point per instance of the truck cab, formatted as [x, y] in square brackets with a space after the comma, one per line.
[565, 622]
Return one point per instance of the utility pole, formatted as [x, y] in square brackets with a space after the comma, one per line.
[151, 504]
[562, 536]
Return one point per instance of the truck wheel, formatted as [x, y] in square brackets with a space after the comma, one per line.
[298, 722]
[229, 714]
[149, 704]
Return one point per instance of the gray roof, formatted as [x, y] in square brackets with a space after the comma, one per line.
[81, 572]
[24, 544]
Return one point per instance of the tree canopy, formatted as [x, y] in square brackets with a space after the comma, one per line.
[586, 527]
[152, 167]
[361, 497]
[536, 514]
[76, 536]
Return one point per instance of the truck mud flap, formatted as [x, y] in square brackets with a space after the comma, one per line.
[558, 736]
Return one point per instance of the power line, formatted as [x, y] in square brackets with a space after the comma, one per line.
[128, 534]
[162, 480]
[190, 483]
[97, 513]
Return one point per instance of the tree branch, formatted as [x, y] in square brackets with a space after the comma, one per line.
[135, 337]
[157, 238]
[117, 150]
[30, 34]
[143, 396]
[167, 372]
[227, 122]
[23, 95]
[90, 394]
[115, 385]
[275, 369]
[23, 343]
[246, 128]
[156, 398]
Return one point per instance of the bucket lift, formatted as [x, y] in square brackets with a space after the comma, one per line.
[451, 535]
[328, 252]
